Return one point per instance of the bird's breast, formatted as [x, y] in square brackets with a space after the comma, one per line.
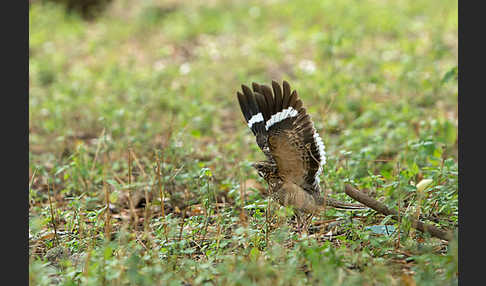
[290, 194]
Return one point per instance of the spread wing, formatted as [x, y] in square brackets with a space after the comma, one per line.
[285, 132]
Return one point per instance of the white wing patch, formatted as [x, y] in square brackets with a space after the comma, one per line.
[255, 119]
[279, 116]
[320, 145]
[322, 154]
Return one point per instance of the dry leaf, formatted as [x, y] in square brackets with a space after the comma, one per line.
[407, 280]
[47, 236]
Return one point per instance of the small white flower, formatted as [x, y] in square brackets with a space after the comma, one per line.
[422, 185]
[307, 66]
[185, 68]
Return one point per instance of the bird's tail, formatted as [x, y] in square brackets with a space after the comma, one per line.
[343, 206]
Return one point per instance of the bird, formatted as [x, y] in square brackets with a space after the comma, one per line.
[294, 151]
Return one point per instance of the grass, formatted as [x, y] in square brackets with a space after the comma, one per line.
[157, 80]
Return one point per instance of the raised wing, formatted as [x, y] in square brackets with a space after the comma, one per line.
[286, 131]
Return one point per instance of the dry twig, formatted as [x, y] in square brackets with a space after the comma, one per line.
[53, 219]
[130, 201]
[381, 208]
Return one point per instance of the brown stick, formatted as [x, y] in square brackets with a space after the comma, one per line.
[159, 183]
[379, 207]
[133, 213]
[97, 151]
[107, 211]
[53, 219]
[147, 214]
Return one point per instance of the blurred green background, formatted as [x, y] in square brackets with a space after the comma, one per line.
[379, 79]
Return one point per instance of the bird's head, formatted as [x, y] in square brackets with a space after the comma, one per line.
[265, 169]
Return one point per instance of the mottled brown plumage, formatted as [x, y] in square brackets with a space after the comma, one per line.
[294, 150]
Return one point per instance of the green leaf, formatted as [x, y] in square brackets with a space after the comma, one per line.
[451, 74]
[254, 254]
[108, 252]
